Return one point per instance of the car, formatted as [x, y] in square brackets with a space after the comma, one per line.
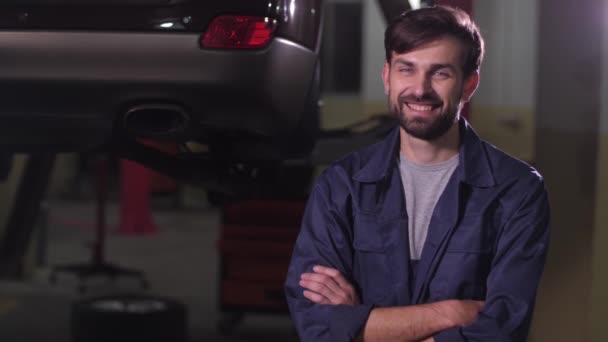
[235, 83]
[236, 79]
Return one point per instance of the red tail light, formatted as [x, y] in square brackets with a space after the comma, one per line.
[238, 32]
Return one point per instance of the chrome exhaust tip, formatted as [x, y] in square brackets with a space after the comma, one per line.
[156, 120]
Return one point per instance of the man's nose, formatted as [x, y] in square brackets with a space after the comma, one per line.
[422, 85]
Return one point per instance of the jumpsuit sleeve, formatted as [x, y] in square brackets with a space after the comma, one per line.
[324, 239]
[517, 265]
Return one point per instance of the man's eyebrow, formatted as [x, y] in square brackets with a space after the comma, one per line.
[403, 62]
[433, 68]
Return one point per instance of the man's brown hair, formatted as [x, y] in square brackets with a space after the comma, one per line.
[415, 28]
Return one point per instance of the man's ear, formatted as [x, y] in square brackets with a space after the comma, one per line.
[386, 69]
[470, 85]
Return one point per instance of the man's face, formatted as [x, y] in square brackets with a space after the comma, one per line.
[426, 87]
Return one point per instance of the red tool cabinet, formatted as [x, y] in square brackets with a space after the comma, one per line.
[255, 246]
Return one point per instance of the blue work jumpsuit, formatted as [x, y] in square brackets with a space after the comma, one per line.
[487, 240]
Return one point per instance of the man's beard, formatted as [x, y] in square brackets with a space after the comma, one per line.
[424, 128]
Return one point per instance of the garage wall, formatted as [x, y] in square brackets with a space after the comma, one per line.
[567, 145]
[372, 91]
[503, 107]
[599, 293]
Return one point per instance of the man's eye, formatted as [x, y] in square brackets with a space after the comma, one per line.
[442, 74]
[406, 70]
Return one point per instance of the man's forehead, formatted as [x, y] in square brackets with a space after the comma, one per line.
[444, 50]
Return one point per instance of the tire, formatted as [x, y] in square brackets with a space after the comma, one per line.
[128, 317]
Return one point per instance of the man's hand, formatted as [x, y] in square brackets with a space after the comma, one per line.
[327, 286]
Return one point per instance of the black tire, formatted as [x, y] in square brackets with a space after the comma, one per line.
[128, 317]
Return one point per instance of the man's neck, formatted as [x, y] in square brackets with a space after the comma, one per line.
[430, 152]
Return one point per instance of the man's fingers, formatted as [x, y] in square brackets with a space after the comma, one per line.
[315, 297]
[331, 284]
[326, 285]
[322, 289]
[338, 278]
[316, 287]
[335, 274]
[327, 281]
[332, 272]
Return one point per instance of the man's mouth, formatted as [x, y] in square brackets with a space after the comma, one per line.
[418, 107]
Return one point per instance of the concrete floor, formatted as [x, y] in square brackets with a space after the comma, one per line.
[180, 261]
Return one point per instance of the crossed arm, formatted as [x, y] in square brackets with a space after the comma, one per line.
[406, 323]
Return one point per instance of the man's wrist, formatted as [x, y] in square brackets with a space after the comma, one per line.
[457, 313]
[446, 311]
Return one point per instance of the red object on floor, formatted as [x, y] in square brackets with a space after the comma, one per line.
[160, 183]
[255, 245]
[135, 187]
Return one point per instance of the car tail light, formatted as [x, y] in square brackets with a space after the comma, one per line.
[238, 32]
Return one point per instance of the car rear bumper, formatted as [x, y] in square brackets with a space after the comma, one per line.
[69, 90]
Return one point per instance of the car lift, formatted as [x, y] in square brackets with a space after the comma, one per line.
[240, 180]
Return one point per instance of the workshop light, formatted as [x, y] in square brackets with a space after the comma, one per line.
[238, 32]
[415, 4]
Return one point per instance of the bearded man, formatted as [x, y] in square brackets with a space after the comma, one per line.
[431, 234]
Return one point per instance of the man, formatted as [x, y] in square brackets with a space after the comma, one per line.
[431, 234]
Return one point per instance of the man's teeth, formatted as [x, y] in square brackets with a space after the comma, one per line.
[421, 108]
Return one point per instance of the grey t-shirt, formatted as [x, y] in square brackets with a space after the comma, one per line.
[422, 185]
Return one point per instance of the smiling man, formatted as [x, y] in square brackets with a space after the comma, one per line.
[432, 233]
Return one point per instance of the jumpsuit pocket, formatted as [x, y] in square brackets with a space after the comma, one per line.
[463, 269]
[371, 269]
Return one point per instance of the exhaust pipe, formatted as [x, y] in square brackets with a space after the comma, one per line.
[156, 120]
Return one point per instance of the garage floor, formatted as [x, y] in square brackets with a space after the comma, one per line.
[180, 262]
